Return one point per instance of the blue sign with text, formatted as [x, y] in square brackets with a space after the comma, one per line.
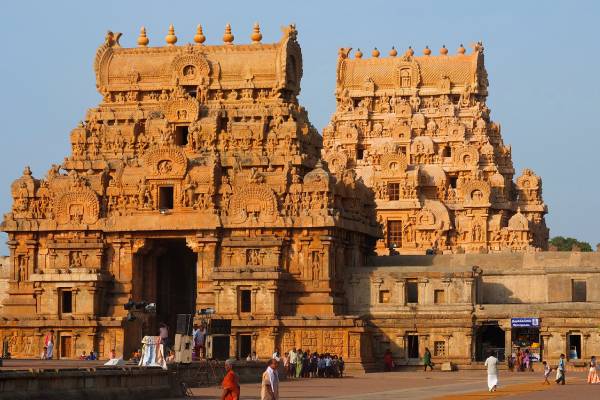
[525, 322]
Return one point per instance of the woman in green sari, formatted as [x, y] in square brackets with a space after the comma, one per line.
[299, 363]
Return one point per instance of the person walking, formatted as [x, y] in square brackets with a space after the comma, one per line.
[593, 377]
[560, 371]
[492, 372]
[547, 370]
[269, 388]
[231, 383]
[427, 360]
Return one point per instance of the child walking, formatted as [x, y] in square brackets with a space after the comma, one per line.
[547, 370]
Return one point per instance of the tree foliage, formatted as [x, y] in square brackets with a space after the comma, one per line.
[566, 244]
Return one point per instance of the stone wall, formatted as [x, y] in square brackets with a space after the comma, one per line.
[103, 382]
[458, 294]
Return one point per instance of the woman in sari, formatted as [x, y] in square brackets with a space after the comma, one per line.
[593, 377]
[299, 363]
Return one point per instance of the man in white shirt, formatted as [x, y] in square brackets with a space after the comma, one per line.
[293, 360]
[492, 372]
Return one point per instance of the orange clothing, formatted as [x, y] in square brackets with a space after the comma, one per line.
[231, 382]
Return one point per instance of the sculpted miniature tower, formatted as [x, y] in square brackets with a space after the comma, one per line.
[197, 182]
[418, 133]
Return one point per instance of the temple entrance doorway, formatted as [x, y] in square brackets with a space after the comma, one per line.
[175, 283]
[489, 337]
[166, 276]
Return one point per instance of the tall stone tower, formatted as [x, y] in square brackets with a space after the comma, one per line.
[417, 131]
[195, 183]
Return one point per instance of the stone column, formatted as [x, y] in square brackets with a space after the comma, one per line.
[545, 354]
[233, 349]
[447, 354]
[12, 247]
[470, 344]
[507, 341]
[253, 300]
[401, 291]
[422, 291]
[375, 286]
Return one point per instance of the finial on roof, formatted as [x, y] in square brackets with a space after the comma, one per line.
[358, 53]
[461, 49]
[27, 170]
[143, 40]
[228, 36]
[410, 52]
[171, 39]
[256, 35]
[426, 51]
[375, 53]
[199, 36]
[393, 52]
[443, 50]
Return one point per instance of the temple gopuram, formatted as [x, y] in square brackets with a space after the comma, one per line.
[199, 183]
[416, 130]
[196, 183]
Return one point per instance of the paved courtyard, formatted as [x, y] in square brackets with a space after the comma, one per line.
[469, 385]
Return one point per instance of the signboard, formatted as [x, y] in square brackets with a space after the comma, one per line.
[525, 322]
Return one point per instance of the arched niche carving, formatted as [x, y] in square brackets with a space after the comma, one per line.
[393, 164]
[182, 110]
[433, 216]
[256, 201]
[466, 157]
[77, 207]
[337, 161]
[476, 193]
[166, 162]
[191, 69]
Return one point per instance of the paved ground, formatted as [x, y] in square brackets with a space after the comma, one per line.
[469, 385]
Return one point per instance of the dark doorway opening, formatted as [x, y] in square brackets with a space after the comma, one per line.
[413, 346]
[181, 135]
[489, 338]
[220, 347]
[165, 198]
[176, 281]
[574, 347]
[245, 346]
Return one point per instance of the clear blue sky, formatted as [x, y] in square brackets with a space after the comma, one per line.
[542, 57]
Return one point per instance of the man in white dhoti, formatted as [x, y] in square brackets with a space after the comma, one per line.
[492, 372]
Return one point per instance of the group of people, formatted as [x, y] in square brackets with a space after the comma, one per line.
[492, 369]
[521, 360]
[269, 388]
[88, 357]
[304, 364]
